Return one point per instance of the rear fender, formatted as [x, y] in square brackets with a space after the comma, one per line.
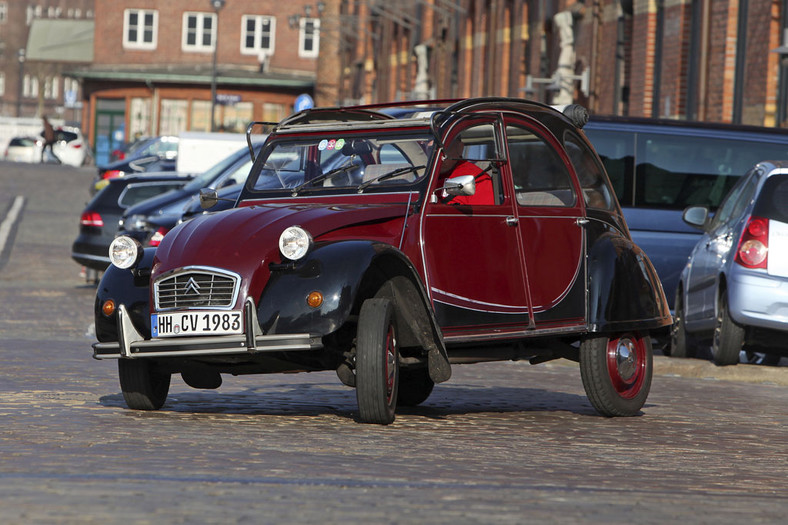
[127, 287]
[624, 291]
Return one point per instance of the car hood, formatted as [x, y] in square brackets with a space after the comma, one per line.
[246, 240]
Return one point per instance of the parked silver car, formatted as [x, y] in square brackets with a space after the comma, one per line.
[733, 291]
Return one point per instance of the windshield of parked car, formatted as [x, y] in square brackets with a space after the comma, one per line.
[212, 174]
[361, 161]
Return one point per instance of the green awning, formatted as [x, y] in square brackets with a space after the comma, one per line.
[193, 76]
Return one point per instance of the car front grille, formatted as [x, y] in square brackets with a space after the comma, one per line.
[196, 288]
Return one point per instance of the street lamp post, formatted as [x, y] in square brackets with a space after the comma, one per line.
[20, 55]
[217, 6]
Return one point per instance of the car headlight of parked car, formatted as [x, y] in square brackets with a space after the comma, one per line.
[294, 242]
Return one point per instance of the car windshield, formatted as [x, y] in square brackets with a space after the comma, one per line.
[359, 160]
[207, 178]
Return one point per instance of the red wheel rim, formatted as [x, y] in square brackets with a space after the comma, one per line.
[626, 364]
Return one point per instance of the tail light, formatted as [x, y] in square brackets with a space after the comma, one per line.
[91, 218]
[156, 238]
[753, 250]
[112, 174]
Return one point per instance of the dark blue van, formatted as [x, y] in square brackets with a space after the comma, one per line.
[660, 167]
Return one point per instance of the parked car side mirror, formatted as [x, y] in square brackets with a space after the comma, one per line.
[696, 216]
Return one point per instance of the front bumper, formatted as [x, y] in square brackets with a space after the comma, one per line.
[131, 344]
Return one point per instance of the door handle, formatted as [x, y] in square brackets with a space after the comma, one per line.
[512, 221]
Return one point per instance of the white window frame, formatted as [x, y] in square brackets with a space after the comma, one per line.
[302, 38]
[257, 49]
[198, 47]
[140, 27]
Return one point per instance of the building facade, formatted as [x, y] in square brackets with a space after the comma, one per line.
[714, 60]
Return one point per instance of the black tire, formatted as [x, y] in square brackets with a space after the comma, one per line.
[415, 386]
[377, 362]
[681, 344]
[616, 372]
[143, 388]
[728, 337]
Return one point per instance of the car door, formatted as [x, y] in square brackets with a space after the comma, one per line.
[550, 214]
[472, 254]
[711, 252]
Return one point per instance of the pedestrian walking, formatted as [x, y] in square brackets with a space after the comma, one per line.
[49, 140]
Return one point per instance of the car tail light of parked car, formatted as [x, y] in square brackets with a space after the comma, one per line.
[155, 240]
[91, 218]
[753, 249]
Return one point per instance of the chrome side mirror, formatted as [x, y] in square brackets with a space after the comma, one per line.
[209, 197]
[462, 185]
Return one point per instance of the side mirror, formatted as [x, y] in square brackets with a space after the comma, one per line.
[696, 216]
[209, 197]
[462, 185]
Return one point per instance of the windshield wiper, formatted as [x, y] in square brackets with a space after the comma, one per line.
[389, 175]
[324, 176]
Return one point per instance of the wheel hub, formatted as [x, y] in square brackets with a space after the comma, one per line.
[626, 359]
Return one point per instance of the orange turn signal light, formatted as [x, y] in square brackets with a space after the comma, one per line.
[314, 299]
[108, 308]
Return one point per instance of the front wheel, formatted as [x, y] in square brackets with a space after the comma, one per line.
[616, 372]
[377, 362]
[143, 388]
[681, 345]
[728, 336]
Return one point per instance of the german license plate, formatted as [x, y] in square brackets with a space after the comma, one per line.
[196, 323]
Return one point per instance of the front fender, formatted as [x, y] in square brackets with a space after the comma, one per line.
[624, 291]
[130, 288]
[333, 269]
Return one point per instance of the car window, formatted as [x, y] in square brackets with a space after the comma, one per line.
[597, 193]
[540, 176]
[617, 152]
[772, 201]
[331, 160]
[739, 196]
[136, 193]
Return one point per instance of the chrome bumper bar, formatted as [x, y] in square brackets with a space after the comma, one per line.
[132, 344]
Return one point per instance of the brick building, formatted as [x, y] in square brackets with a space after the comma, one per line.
[165, 67]
[715, 60]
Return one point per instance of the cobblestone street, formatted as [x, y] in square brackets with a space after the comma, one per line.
[498, 443]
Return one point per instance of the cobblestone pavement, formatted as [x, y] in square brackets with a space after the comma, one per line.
[498, 443]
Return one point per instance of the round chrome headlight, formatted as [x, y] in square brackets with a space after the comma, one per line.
[125, 252]
[294, 242]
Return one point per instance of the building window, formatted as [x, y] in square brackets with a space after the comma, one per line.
[199, 31]
[51, 88]
[2, 84]
[3, 12]
[139, 28]
[257, 35]
[309, 38]
[30, 86]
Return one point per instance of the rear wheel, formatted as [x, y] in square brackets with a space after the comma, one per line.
[681, 344]
[377, 362]
[616, 372]
[728, 336]
[415, 386]
[143, 388]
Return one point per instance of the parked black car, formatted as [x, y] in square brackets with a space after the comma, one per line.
[149, 155]
[149, 221]
[98, 224]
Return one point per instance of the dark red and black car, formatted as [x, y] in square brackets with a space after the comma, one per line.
[389, 249]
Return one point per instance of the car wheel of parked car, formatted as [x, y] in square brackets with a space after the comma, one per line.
[143, 388]
[415, 386]
[681, 344]
[377, 362]
[616, 372]
[728, 336]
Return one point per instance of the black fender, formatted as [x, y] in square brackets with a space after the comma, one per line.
[127, 287]
[346, 273]
[624, 291]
